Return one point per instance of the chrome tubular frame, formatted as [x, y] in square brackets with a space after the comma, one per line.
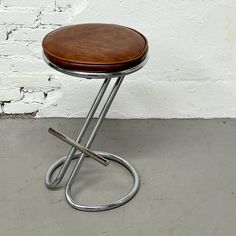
[52, 184]
[64, 162]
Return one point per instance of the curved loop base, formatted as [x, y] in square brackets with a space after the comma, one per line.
[101, 207]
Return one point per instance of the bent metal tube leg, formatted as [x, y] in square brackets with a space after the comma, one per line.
[51, 184]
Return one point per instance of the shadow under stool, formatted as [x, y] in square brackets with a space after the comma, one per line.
[93, 51]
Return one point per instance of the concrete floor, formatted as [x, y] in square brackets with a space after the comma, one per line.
[187, 170]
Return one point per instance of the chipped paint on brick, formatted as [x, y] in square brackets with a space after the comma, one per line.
[191, 71]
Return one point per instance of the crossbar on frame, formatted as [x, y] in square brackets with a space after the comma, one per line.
[65, 161]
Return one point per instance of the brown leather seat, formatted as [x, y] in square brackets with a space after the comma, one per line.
[95, 47]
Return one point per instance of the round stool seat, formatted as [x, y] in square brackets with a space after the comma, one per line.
[95, 47]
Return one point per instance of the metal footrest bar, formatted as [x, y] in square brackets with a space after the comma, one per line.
[85, 151]
[81, 148]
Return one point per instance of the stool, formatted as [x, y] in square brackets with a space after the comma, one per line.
[93, 51]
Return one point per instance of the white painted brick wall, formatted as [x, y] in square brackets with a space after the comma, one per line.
[191, 71]
[16, 17]
[27, 3]
[3, 33]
